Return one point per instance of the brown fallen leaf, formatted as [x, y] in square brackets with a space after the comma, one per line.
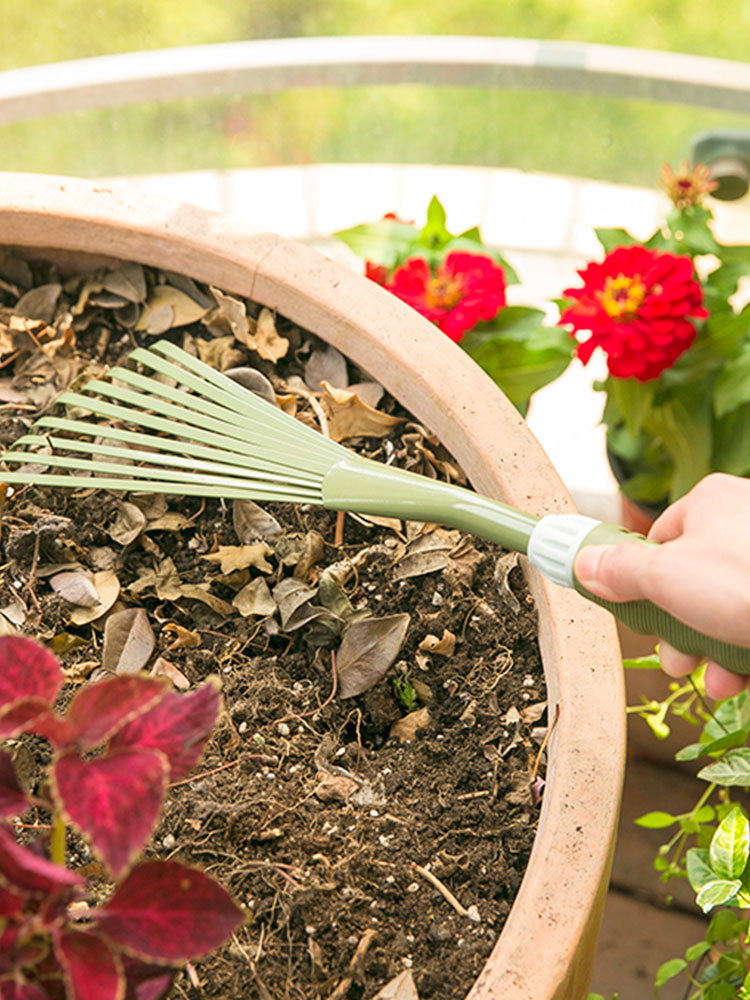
[334, 787]
[167, 307]
[128, 641]
[233, 557]
[269, 343]
[163, 668]
[367, 650]
[326, 364]
[185, 639]
[108, 588]
[445, 646]
[198, 593]
[128, 524]
[503, 567]
[349, 417]
[75, 588]
[400, 988]
[255, 599]
[251, 522]
[405, 729]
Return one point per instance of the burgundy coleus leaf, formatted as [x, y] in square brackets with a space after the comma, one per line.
[13, 799]
[11, 989]
[92, 971]
[178, 725]
[23, 871]
[100, 710]
[11, 902]
[145, 981]
[27, 670]
[17, 716]
[168, 912]
[114, 801]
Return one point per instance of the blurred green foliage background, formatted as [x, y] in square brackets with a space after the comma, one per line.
[587, 136]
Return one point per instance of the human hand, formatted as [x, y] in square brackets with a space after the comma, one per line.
[700, 573]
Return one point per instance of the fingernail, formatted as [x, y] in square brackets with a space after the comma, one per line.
[586, 566]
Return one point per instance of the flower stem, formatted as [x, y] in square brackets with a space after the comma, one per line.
[57, 849]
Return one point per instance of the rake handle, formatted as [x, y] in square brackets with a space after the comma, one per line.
[648, 619]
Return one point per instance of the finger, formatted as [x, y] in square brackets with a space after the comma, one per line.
[614, 572]
[675, 663]
[670, 523]
[720, 683]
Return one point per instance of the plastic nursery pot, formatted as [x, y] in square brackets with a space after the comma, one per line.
[547, 946]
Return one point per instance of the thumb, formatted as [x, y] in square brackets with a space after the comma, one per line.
[613, 572]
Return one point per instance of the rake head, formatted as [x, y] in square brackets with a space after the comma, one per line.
[214, 438]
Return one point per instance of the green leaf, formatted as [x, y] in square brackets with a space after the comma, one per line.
[736, 739]
[697, 238]
[733, 769]
[731, 451]
[611, 238]
[730, 845]
[691, 752]
[434, 235]
[634, 399]
[669, 970]
[386, 242]
[656, 820]
[684, 427]
[717, 892]
[698, 868]
[729, 716]
[697, 950]
[723, 927]
[520, 364]
[642, 663]
[732, 387]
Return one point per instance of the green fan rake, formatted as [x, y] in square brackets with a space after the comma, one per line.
[202, 434]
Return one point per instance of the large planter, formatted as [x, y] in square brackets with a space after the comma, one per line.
[546, 949]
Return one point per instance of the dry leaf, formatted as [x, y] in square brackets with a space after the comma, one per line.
[234, 557]
[128, 524]
[405, 730]
[230, 316]
[255, 599]
[444, 646]
[269, 344]
[168, 307]
[153, 505]
[15, 612]
[367, 650]
[163, 668]
[214, 352]
[185, 639]
[400, 988]
[335, 787]
[349, 417]
[128, 641]
[313, 546]
[129, 281]
[171, 521]
[108, 588]
[75, 588]
[294, 599]
[533, 713]
[503, 566]
[252, 522]
[427, 553]
[39, 303]
[326, 364]
[211, 600]
[255, 381]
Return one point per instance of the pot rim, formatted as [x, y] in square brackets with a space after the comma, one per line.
[561, 897]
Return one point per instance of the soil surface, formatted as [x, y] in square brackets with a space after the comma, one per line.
[338, 822]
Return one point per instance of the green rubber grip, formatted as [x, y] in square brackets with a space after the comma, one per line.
[648, 619]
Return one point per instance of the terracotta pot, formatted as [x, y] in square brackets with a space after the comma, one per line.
[546, 949]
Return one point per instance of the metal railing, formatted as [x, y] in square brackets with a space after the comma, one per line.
[349, 61]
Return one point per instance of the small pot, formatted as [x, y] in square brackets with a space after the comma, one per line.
[635, 515]
[547, 946]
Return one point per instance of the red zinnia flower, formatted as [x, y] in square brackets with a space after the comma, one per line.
[466, 289]
[635, 305]
[376, 272]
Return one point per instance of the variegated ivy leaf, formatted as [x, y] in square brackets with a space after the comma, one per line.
[733, 769]
[698, 866]
[717, 892]
[730, 845]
